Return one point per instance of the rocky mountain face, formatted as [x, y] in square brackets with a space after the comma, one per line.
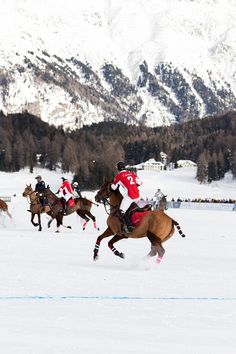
[64, 89]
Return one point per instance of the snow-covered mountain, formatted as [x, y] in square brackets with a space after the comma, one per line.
[76, 62]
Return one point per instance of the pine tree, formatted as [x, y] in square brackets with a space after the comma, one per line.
[234, 165]
[202, 168]
[212, 169]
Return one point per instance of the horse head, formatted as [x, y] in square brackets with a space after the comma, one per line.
[104, 192]
[28, 190]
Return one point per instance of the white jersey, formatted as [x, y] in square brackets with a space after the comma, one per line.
[159, 195]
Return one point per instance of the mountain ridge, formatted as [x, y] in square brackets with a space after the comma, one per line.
[79, 63]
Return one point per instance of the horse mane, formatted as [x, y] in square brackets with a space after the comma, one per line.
[48, 191]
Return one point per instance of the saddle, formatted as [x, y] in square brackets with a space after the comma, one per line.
[125, 218]
[134, 207]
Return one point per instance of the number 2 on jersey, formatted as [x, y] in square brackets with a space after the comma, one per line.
[131, 180]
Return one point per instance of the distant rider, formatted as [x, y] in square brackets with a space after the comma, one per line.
[65, 193]
[158, 195]
[39, 188]
[76, 190]
[128, 183]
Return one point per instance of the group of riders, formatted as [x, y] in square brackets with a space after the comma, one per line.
[126, 181]
[65, 192]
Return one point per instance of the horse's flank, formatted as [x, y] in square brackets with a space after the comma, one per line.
[4, 207]
[155, 222]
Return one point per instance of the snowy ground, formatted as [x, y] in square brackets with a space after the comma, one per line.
[55, 299]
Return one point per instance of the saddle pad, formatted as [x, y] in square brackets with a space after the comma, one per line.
[137, 217]
[71, 202]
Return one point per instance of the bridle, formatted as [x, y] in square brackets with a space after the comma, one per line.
[105, 200]
[31, 201]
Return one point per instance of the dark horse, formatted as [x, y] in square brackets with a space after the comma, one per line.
[155, 225]
[54, 207]
[4, 208]
[83, 210]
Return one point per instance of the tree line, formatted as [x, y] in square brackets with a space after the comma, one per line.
[91, 152]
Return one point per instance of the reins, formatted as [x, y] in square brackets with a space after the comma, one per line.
[106, 202]
[31, 202]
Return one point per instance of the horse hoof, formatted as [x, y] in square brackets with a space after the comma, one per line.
[95, 257]
[121, 255]
[98, 229]
[57, 232]
[69, 227]
[83, 228]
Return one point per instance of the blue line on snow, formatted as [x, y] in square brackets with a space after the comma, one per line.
[78, 297]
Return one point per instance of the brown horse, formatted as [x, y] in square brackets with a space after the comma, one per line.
[4, 208]
[155, 225]
[54, 207]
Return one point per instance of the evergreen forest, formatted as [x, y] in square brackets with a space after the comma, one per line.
[92, 152]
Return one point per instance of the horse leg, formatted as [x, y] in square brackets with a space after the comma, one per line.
[32, 220]
[108, 232]
[160, 251]
[88, 213]
[156, 247]
[115, 239]
[153, 251]
[85, 222]
[39, 220]
[83, 216]
[7, 212]
[59, 218]
[50, 221]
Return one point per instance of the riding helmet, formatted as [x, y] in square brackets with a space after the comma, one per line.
[120, 166]
[75, 184]
[38, 177]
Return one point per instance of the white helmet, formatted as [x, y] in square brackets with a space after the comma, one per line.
[75, 184]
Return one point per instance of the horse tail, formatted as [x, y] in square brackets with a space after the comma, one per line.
[175, 223]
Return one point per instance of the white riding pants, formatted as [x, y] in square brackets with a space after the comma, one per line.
[126, 202]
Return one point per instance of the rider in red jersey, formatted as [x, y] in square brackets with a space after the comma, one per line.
[65, 192]
[128, 183]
